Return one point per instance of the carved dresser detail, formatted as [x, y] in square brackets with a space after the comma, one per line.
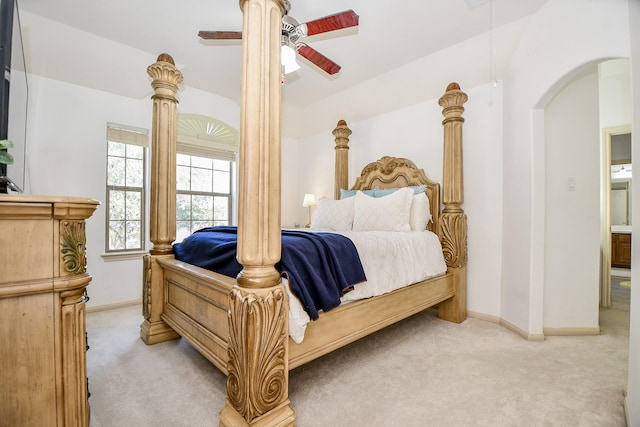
[43, 372]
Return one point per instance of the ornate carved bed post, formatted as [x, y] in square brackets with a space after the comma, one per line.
[453, 221]
[162, 224]
[258, 374]
[341, 132]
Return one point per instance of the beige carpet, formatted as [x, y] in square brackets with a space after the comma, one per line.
[420, 372]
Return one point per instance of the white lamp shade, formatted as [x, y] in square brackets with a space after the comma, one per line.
[288, 59]
[309, 200]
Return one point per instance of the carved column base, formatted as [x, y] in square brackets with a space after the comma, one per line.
[455, 309]
[258, 371]
[153, 329]
[281, 416]
[155, 332]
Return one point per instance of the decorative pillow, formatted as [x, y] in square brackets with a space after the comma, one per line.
[350, 193]
[333, 215]
[420, 212]
[388, 213]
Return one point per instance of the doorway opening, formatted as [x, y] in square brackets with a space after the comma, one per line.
[615, 212]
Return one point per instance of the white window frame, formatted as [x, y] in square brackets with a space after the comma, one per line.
[132, 136]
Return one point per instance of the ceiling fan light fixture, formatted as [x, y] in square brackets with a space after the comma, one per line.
[288, 59]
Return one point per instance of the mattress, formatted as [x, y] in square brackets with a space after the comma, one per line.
[390, 259]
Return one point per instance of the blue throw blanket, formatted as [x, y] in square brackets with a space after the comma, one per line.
[320, 267]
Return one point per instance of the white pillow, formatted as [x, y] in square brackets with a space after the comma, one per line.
[388, 213]
[334, 215]
[420, 212]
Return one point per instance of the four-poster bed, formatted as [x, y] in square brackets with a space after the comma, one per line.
[241, 324]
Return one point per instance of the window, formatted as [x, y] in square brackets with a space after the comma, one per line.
[126, 170]
[203, 193]
[205, 173]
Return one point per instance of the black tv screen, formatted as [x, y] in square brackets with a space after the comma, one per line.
[14, 93]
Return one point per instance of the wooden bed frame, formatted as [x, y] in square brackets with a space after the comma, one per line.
[241, 324]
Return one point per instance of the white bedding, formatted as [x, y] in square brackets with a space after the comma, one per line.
[391, 260]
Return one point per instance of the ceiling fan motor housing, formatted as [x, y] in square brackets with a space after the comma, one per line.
[292, 32]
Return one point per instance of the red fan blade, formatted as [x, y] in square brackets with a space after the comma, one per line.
[220, 35]
[332, 22]
[318, 59]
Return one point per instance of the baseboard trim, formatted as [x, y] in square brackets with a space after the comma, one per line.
[482, 316]
[571, 331]
[510, 326]
[115, 305]
[524, 334]
[625, 406]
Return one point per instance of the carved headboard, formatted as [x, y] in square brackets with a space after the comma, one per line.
[394, 172]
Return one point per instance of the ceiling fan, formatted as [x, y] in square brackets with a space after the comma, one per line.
[292, 32]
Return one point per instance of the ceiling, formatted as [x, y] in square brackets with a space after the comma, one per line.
[107, 45]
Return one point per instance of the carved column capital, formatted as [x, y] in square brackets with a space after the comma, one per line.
[342, 132]
[282, 4]
[166, 77]
[452, 102]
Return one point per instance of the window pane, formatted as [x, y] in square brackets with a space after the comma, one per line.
[115, 171]
[183, 207]
[116, 149]
[183, 229]
[184, 159]
[222, 165]
[198, 225]
[134, 172]
[201, 162]
[183, 178]
[135, 151]
[133, 235]
[134, 205]
[221, 183]
[116, 235]
[116, 205]
[202, 207]
[202, 180]
[221, 208]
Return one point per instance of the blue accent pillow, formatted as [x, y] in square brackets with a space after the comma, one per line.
[381, 192]
[350, 193]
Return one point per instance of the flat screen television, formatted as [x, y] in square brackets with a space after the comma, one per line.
[13, 97]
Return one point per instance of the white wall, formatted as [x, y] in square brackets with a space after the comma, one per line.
[67, 156]
[291, 192]
[615, 93]
[572, 215]
[416, 133]
[563, 37]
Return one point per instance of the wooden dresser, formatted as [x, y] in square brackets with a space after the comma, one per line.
[43, 373]
[621, 250]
